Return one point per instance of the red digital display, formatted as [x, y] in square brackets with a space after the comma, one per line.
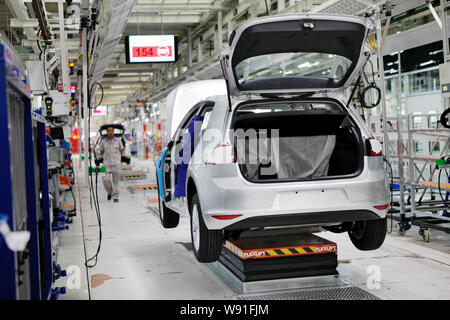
[151, 49]
[156, 51]
[100, 111]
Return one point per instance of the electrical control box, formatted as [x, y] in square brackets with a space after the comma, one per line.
[375, 126]
[35, 73]
[61, 105]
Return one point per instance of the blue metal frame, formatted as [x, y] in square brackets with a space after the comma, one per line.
[7, 257]
[45, 205]
[8, 280]
[30, 188]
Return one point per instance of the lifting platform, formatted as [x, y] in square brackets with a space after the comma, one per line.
[278, 259]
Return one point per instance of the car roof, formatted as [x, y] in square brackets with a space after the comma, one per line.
[185, 96]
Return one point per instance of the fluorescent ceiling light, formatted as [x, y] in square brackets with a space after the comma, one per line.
[129, 74]
[304, 65]
[426, 63]
[435, 52]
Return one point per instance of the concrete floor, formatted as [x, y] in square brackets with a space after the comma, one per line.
[139, 259]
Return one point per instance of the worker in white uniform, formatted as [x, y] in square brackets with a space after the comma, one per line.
[111, 149]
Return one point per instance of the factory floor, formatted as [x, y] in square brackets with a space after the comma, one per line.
[139, 259]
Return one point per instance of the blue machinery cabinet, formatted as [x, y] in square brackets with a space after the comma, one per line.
[23, 189]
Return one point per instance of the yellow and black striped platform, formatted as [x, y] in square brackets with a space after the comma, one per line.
[134, 176]
[292, 245]
[273, 254]
[144, 188]
[141, 188]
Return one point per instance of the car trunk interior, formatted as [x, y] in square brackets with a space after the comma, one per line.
[296, 141]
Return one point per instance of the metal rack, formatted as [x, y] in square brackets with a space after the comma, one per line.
[24, 191]
[23, 274]
[44, 229]
[416, 190]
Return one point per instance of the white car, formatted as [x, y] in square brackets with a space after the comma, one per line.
[282, 146]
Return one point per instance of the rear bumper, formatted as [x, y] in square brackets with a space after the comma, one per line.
[321, 218]
[223, 191]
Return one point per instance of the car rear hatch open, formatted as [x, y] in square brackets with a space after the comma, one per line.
[292, 54]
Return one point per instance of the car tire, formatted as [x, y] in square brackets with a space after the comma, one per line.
[169, 218]
[206, 244]
[369, 234]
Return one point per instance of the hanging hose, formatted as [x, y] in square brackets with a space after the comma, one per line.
[371, 86]
[71, 212]
[439, 186]
[444, 119]
[99, 220]
[94, 194]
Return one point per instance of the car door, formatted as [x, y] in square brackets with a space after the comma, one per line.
[165, 164]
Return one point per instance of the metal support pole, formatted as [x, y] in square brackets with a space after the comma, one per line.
[63, 49]
[400, 141]
[400, 165]
[189, 48]
[219, 31]
[444, 30]
[382, 89]
[444, 42]
[85, 105]
[412, 156]
[281, 4]
[199, 51]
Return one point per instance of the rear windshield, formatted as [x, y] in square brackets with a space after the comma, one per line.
[293, 65]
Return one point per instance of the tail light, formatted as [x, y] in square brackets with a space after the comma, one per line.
[382, 207]
[222, 154]
[227, 217]
[374, 148]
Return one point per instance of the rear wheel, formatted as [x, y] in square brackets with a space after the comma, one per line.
[206, 244]
[369, 234]
[169, 218]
